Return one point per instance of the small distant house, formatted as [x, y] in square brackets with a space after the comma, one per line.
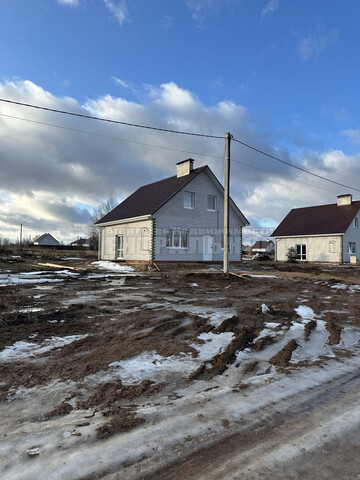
[178, 219]
[246, 249]
[263, 246]
[324, 233]
[81, 242]
[46, 240]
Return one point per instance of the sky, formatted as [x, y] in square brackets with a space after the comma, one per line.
[279, 75]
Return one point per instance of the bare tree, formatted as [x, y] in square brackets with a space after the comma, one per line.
[96, 214]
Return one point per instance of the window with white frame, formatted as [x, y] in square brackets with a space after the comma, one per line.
[356, 222]
[177, 238]
[351, 247]
[189, 199]
[301, 252]
[211, 203]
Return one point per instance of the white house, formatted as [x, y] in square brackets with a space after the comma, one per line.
[325, 233]
[263, 246]
[177, 219]
[46, 239]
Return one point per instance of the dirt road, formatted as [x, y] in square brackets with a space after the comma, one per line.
[144, 375]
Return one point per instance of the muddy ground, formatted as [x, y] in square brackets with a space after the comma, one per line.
[178, 374]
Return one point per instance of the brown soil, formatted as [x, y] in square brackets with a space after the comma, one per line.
[62, 409]
[283, 357]
[108, 393]
[220, 362]
[121, 420]
[308, 329]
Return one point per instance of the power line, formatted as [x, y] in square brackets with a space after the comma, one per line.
[109, 136]
[161, 147]
[283, 176]
[293, 166]
[64, 112]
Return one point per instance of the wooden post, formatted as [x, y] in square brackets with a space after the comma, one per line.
[226, 204]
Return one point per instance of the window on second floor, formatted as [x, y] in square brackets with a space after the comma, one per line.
[211, 203]
[189, 199]
[356, 222]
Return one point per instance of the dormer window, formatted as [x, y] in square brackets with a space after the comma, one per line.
[189, 199]
[356, 222]
[211, 203]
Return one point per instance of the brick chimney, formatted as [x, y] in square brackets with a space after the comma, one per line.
[343, 200]
[185, 167]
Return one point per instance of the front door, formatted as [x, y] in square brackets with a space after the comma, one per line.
[119, 247]
[208, 248]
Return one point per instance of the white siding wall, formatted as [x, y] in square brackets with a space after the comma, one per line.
[198, 221]
[352, 235]
[137, 241]
[318, 249]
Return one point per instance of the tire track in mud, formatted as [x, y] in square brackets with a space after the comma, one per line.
[300, 425]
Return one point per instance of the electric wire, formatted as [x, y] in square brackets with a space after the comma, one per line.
[292, 165]
[110, 136]
[163, 148]
[163, 130]
[118, 122]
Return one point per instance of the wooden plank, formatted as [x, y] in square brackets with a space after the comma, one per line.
[54, 265]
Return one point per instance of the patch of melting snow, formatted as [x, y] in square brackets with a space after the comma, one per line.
[82, 297]
[155, 366]
[215, 315]
[338, 286]
[24, 278]
[30, 310]
[114, 267]
[21, 349]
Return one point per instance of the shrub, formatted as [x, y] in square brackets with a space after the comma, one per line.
[291, 256]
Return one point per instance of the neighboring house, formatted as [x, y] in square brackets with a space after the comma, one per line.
[246, 249]
[325, 233]
[45, 240]
[81, 242]
[177, 219]
[263, 246]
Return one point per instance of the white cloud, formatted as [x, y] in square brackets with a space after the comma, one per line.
[120, 82]
[71, 3]
[118, 9]
[270, 7]
[51, 176]
[166, 22]
[200, 9]
[353, 135]
[312, 44]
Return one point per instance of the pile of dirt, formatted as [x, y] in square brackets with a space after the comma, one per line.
[62, 409]
[108, 393]
[264, 342]
[335, 333]
[283, 357]
[121, 420]
[219, 363]
[308, 329]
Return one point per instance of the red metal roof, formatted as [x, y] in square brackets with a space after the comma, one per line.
[318, 220]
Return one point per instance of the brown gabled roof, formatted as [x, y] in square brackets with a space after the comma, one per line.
[262, 244]
[319, 220]
[149, 198]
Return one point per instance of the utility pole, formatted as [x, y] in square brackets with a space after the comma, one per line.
[226, 204]
[20, 235]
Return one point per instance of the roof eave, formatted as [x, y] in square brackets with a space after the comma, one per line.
[308, 235]
[125, 220]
